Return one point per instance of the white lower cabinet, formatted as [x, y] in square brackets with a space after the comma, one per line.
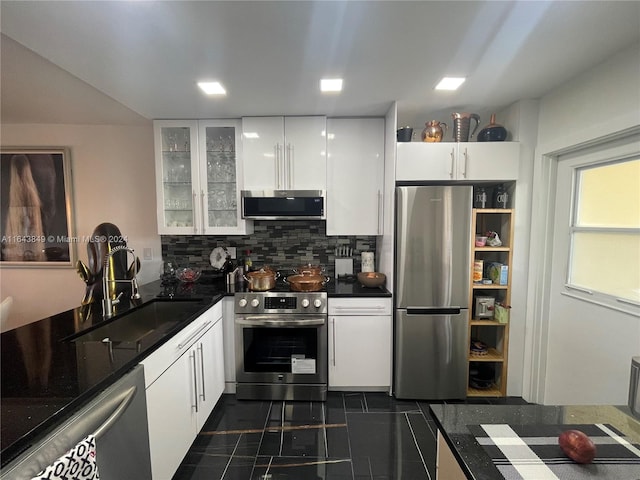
[228, 328]
[209, 356]
[170, 416]
[184, 380]
[360, 343]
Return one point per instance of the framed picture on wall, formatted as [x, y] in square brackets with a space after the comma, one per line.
[36, 211]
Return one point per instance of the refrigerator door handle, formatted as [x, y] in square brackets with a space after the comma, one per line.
[433, 310]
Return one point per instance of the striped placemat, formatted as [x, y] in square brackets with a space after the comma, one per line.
[531, 452]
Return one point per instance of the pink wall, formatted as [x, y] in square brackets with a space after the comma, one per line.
[113, 180]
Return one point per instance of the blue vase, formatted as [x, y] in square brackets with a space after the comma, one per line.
[493, 132]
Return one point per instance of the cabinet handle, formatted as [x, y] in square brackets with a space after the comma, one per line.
[356, 310]
[282, 181]
[283, 168]
[380, 210]
[289, 166]
[126, 396]
[333, 336]
[193, 213]
[464, 165]
[276, 152]
[181, 345]
[453, 159]
[204, 388]
[192, 356]
[204, 223]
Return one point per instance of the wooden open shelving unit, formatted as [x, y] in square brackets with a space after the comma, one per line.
[490, 331]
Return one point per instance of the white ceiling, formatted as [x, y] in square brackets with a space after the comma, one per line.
[148, 56]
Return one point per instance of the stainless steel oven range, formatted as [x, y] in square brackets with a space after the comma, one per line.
[281, 345]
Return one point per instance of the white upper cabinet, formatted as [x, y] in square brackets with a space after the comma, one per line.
[355, 176]
[416, 161]
[199, 177]
[220, 147]
[489, 160]
[284, 153]
[177, 176]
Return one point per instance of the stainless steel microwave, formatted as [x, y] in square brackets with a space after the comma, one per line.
[283, 204]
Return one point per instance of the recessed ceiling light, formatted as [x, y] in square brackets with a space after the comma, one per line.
[212, 88]
[450, 83]
[331, 85]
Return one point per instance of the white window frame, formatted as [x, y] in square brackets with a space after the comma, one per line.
[620, 150]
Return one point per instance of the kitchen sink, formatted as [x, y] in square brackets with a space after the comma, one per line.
[150, 321]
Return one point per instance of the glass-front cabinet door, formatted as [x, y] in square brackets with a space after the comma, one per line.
[221, 176]
[199, 177]
[176, 146]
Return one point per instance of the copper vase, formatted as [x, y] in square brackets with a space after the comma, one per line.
[433, 131]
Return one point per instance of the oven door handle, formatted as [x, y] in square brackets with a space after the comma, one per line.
[261, 321]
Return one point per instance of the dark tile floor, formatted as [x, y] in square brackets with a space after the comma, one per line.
[353, 436]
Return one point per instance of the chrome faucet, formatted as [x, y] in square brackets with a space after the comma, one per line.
[108, 277]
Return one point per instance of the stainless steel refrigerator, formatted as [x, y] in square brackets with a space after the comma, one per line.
[433, 237]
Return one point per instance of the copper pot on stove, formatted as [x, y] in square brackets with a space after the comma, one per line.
[309, 269]
[261, 280]
[307, 282]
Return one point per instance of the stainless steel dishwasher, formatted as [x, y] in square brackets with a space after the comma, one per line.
[117, 418]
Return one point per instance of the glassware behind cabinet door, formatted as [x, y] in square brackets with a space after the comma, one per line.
[229, 144]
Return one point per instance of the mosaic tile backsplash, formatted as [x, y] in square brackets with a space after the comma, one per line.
[280, 244]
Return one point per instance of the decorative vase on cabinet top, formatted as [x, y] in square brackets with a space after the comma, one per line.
[493, 132]
[462, 124]
[433, 131]
[404, 134]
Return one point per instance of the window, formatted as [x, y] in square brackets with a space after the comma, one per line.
[604, 260]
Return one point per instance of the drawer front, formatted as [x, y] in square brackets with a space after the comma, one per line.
[360, 306]
[156, 363]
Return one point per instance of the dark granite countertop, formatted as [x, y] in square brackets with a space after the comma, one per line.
[457, 421]
[45, 379]
[333, 288]
[354, 289]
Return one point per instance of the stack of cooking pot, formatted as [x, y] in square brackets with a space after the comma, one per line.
[307, 278]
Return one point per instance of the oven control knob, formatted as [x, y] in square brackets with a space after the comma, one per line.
[305, 302]
[317, 303]
[242, 302]
[255, 302]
